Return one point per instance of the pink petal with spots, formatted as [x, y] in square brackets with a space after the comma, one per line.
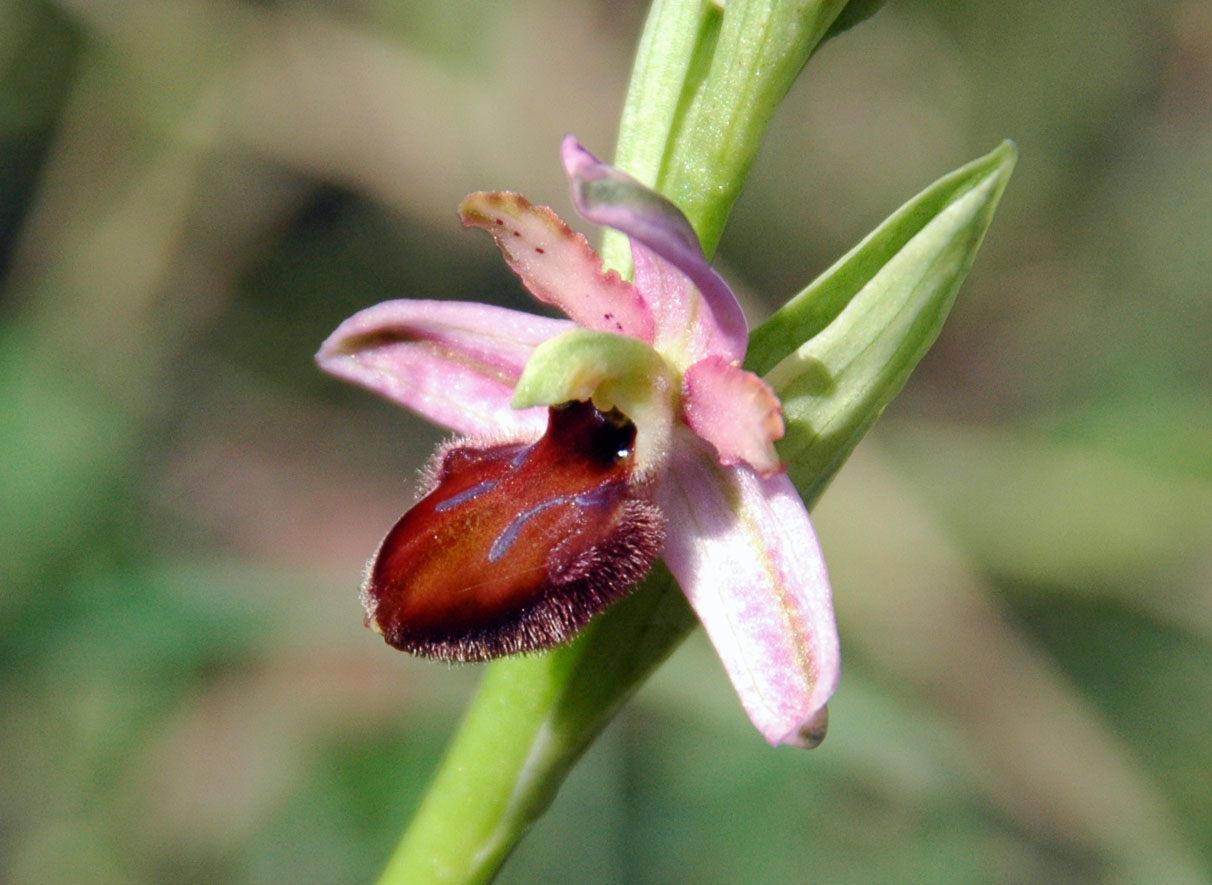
[735, 411]
[745, 553]
[453, 362]
[557, 264]
[606, 195]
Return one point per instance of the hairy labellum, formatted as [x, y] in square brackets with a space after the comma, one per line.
[516, 546]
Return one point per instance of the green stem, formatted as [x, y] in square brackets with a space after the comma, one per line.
[531, 720]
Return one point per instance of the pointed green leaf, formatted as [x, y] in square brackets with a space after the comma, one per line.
[839, 351]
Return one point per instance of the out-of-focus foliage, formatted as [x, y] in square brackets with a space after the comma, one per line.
[195, 192]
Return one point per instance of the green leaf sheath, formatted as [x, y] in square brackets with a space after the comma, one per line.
[705, 84]
[761, 48]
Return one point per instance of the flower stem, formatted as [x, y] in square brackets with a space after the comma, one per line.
[530, 721]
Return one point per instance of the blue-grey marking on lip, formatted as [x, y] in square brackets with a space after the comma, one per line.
[599, 497]
[502, 544]
[464, 496]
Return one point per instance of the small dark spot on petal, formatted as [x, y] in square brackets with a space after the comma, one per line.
[517, 233]
[501, 221]
[540, 250]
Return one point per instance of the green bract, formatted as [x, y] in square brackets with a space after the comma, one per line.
[841, 349]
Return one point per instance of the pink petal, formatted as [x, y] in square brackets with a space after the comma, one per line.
[735, 411]
[744, 551]
[454, 362]
[606, 195]
[686, 330]
[557, 264]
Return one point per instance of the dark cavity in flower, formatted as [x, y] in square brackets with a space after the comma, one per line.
[514, 546]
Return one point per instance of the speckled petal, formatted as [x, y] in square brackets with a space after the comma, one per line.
[455, 363]
[745, 554]
[606, 195]
[735, 411]
[558, 265]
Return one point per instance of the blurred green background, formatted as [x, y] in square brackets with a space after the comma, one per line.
[193, 193]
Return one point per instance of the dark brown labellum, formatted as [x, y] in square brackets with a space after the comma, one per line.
[516, 546]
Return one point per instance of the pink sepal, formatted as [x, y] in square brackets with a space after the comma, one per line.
[744, 552]
[456, 363]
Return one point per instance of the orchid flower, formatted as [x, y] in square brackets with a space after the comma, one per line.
[591, 445]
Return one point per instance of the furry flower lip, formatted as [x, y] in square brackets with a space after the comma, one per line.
[592, 445]
[515, 546]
